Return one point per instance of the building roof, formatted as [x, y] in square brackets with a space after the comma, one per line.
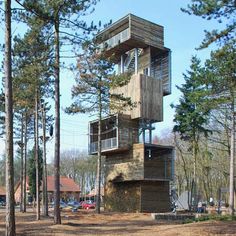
[131, 32]
[2, 190]
[122, 21]
[66, 184]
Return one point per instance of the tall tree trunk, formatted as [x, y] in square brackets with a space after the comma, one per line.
[98, 199]
[194, 180]
[37, 157]
[21, 144]
[25, 163]
[45, 195]
[10, 202]
[194, 160]
[57, 214]
[232, 156]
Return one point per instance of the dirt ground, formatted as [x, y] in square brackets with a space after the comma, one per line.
[89, 223]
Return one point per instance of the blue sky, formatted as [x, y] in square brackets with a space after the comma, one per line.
[182, 34]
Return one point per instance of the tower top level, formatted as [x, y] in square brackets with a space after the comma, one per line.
[136, 46]
[131, 32]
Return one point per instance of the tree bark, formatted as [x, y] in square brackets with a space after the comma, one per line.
[57, 214]
[98, 199]
[194, 179]
[37, 157]
[21, 144]
[10, 201]
[232, 156]
[45, 195]
[25, 163]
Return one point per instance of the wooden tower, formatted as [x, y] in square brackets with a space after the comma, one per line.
[138, 172]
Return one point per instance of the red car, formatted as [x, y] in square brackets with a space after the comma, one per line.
[88, 205]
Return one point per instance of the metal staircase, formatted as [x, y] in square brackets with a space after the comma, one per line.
[130, 59]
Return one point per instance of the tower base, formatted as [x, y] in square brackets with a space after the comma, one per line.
[137, 196]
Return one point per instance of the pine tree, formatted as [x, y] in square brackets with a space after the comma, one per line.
[191, 114]
[32, 77]
[32, 171]
[59, 14]
[221, 79]
[221, 66]
[10, 202]
[224, 11]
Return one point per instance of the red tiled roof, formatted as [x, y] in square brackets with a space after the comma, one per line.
[66, 184]
[2, 190]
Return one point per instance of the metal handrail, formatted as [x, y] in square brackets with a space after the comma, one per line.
[107, 144]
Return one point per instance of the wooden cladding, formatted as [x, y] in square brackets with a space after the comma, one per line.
[128, 33]
[151, 100]
[137, 196]
[137, 164]
[147, 32]
[122, 197]
[116, 39]
[144, 60]
[161, 69]
[125, 166]
[158, 163]
[155, 197]
[146, 94]
[132, 32]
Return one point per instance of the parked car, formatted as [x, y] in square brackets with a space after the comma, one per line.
[62, 204]
[88, 205]
[85, 201]
[74, 204]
